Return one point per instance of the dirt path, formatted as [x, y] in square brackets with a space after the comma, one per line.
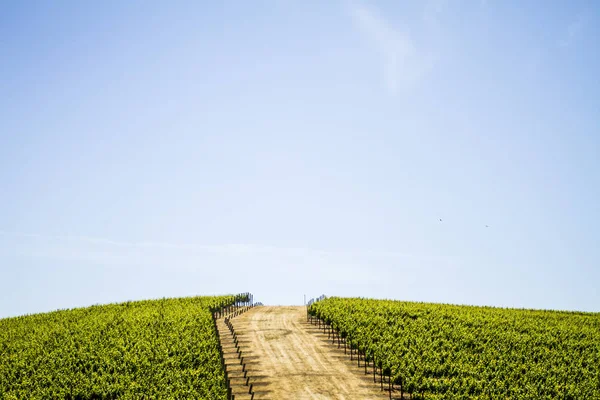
[291, 360]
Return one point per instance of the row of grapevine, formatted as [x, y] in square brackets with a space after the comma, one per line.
[165, 348]
[438, 351]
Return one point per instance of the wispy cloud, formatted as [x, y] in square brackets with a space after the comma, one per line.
[94, 240]
[403, 63]
[93, 270]
[228, 248]
[573, 31]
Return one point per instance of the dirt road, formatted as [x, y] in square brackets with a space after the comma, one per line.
[289, 359]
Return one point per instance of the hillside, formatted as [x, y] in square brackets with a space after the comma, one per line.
[437, 351]
[337, 348]
[164, 348]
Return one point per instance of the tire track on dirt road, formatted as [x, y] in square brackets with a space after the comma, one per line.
[294, 362]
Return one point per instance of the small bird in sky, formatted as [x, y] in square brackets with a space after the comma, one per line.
[487, 226]
[440, 220]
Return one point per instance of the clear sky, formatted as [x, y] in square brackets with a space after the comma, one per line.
[152, 149]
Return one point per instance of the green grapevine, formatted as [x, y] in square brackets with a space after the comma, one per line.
[165, 349]
[438, 351]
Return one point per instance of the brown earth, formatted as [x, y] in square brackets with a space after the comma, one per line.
[288, 358]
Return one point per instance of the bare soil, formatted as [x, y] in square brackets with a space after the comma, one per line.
[288, 358]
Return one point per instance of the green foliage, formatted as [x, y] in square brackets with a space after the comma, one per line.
[165, 349]
[440, 351]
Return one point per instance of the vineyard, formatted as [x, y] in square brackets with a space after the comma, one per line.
[164, 349]
[436, 351]
[218, 347]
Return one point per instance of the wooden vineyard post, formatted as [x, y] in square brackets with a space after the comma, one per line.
[374, 371]
[401, 388]
[332, 334]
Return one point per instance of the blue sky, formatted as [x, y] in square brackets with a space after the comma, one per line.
[152, 149]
